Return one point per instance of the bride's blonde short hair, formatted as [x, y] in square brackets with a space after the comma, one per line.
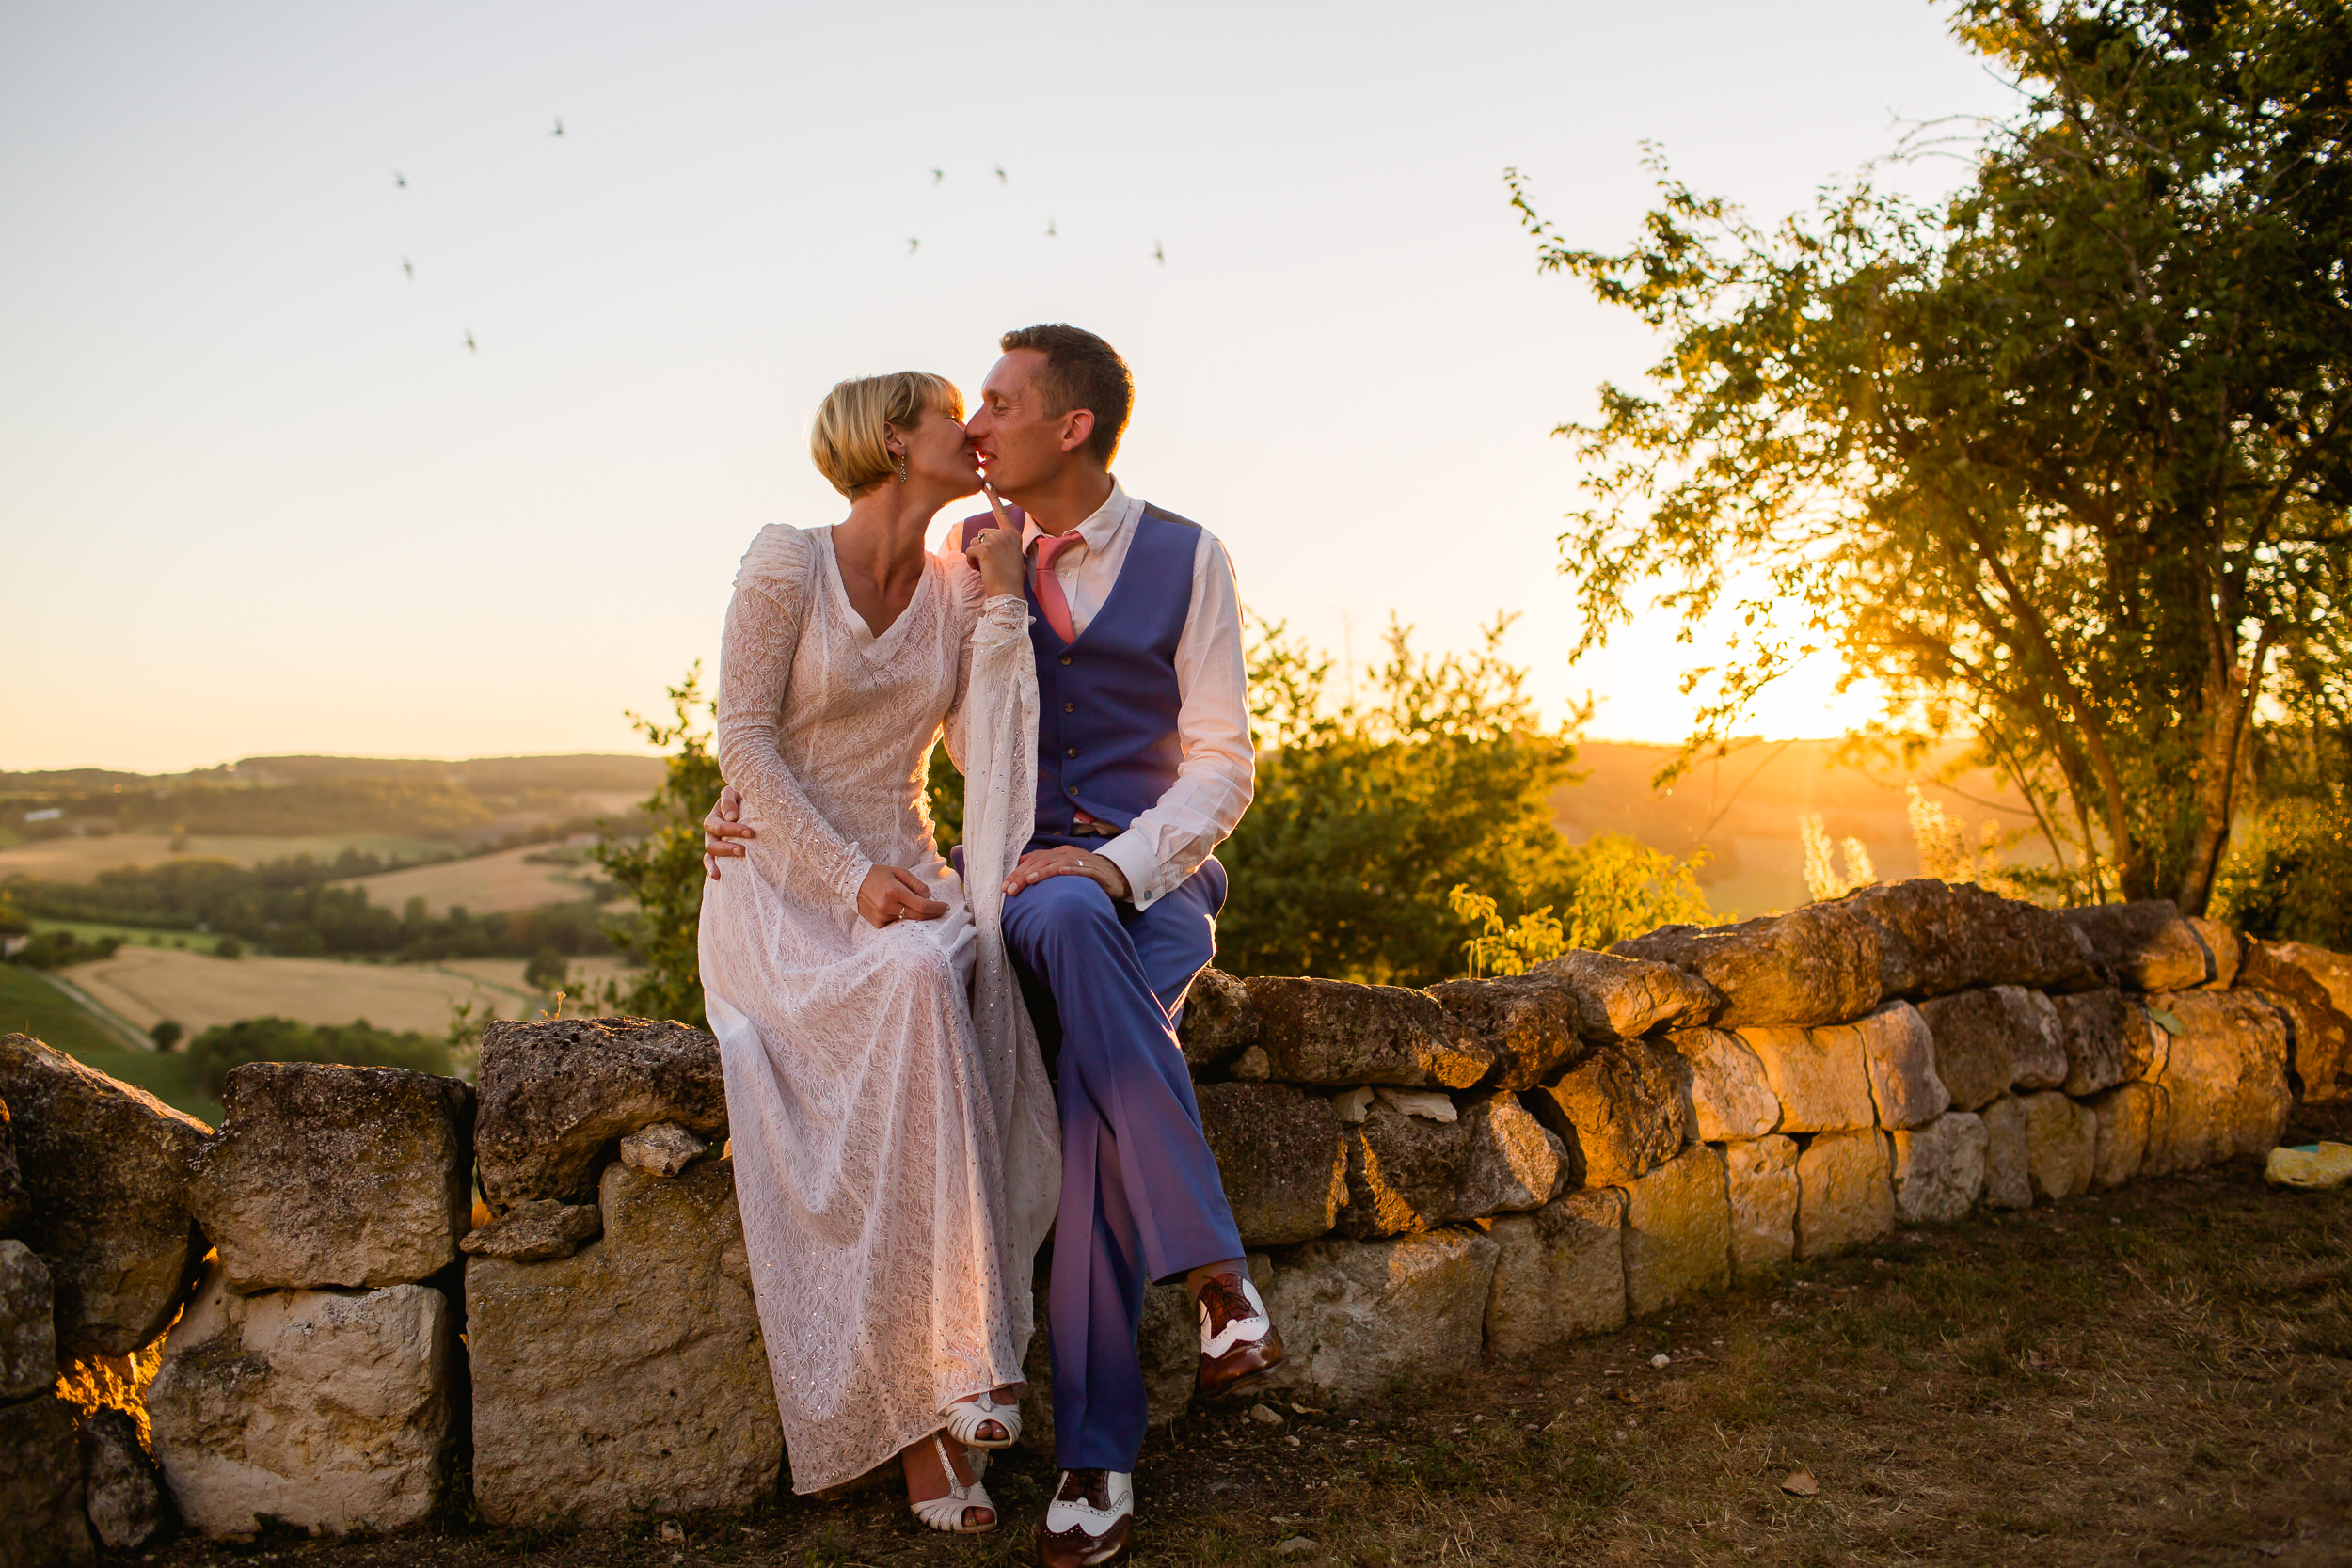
[846, 441]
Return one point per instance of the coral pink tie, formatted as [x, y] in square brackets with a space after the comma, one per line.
[1049, 594]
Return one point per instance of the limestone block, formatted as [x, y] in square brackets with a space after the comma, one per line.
[631, 1376]
[1334, 1033]
[1516, 1163]
[1559, 1273]
[1991, 1038]
[664, 1149]
[324, 1174]
[2333, 972]
[1404, 1172]
[1620, 1111]
[1281, 1156]
[2312, 986]
[536, 1230]
[1817, 964]
[1219, 1020]
[1818, 1076]
[556, 1094]
[1360, 1319]
[322, 1409]
[1939, 938]
[2226, 948]
[1678, 1230]
[28, 1328]
[2150, 1042]
[1730, 1096]
[41, 1521]
[1428, 1104]
[107, 1167]
[2007, 1183]
[2062, 1146]
[2041, 1047]
[1618, 998]
[95, 1383]
[2225, 1079]
[2146, 946]
[1939, 1168]
[16, 1199]
[1845, 1191]
[122, 1497]
[2100, 1032]
[1353, 1105]
[1528, 1020]
[1899, 1055]
[1761, 1175]
[2131, 1117]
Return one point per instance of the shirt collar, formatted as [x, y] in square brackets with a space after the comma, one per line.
[1102, 527]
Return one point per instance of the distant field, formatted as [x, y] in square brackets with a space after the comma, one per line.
[484, 884]
[145, 984]
[80, 860]
[582, 984]
[31, 1006]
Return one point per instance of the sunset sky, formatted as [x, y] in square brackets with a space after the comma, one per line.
[257, 495]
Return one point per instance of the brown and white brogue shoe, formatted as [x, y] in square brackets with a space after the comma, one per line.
[1239, 1342]
[1091, 1520]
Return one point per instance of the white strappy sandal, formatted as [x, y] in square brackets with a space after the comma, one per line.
[965, 1418]
[947, 1514]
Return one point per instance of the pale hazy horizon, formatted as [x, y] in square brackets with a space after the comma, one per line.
[258, 498]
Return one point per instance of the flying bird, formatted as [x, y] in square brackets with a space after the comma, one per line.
[1049, 230]
[470, 348]
[407, 270]
[1000, 176]
[400, 179]
[559, 125]
[1158, 253]
[937, 174]
[912, 246]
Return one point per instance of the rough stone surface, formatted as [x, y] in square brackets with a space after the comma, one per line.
[41, 1522]
[2099, 1031]
[124, 1501]
[1939, 938]
[536, 1230]
[28, 1328]
[1817, 964]
[1761, 1175]
[16, 1200]
[1620, 1111]
[1991, 1038]
[1404, 1172]
[107, 1169]
[1428, 1104]
[322, 1409]
[629, 1377]
[2062, 1146]
[2041, 1047]
[1353, 1105]
[325, 1176]
[664, 1149]
[2223, 945]
[1730, 1096]
[1282, 1157]
[1337, 1034]
[558, 1093]
[1623, 998]
[1219, 1022]
[1939, 1168]
[95, 1383]
[2298, 978]
[2147, 945]
[2131, 1116]
[2007, 1183]
[1845, 1191]
[1559, 1273]
[2331, 971]
[1678, 1230]
[1818, 1076]
[1516, 1163]
[1528, 1020]
[2225, 1079]
[1360, 1319]
[1899, 1055]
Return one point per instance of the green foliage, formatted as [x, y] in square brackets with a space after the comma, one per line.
[59, 949]
[167, 1034]
[228, 947]
[2295, 882]
[2063, 462]
[943, 798]
[546, 971]
[281, 1039]
[1368, 812]
[662, 872]
[1624, 889]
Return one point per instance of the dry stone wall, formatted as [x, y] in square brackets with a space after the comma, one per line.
[1422, 1178]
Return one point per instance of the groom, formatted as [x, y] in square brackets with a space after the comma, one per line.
[1144, 765]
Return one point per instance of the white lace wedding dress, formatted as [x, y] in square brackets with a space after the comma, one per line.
[897, 1155]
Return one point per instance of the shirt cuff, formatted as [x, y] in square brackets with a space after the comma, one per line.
[1137, 863]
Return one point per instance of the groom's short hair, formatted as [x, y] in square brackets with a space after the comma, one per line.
[1081, 372]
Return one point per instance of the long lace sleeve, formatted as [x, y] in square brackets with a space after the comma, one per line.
[755, 656]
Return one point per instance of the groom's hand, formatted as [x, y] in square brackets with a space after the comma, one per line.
[721, 827]
[1065, 860]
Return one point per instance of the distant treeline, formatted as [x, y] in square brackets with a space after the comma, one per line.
[287, 906]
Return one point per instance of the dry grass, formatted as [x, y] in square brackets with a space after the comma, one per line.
[80, 860]
[2162, 1374]
[145, 984]
[582, 985]
[484, 884]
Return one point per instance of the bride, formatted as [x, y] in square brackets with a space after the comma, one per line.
[897, 1153]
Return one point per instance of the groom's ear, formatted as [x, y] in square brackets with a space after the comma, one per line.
[1077, 427]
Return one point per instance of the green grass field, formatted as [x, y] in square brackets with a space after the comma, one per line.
[32, 1006]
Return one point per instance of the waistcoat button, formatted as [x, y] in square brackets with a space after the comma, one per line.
[1065, 658]
[1074, 751]
[1070, 707]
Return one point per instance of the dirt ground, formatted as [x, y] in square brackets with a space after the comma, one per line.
[2161, 1374]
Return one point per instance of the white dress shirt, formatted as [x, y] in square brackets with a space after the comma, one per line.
[1218, 772]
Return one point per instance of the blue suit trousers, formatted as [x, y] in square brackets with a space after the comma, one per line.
[1140, 1195]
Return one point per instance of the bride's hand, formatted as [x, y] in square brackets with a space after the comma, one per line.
[891, 893]
[995, 554]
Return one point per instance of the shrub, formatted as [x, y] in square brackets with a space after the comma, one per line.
[281, 1039]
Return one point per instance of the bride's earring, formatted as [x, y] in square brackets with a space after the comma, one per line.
[902, 467]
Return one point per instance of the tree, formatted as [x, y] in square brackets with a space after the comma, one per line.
[546, 970]
[167, 1034]
[2063, 461]
[662, 873]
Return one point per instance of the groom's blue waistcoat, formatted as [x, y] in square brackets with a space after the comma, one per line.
[1106, 739]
